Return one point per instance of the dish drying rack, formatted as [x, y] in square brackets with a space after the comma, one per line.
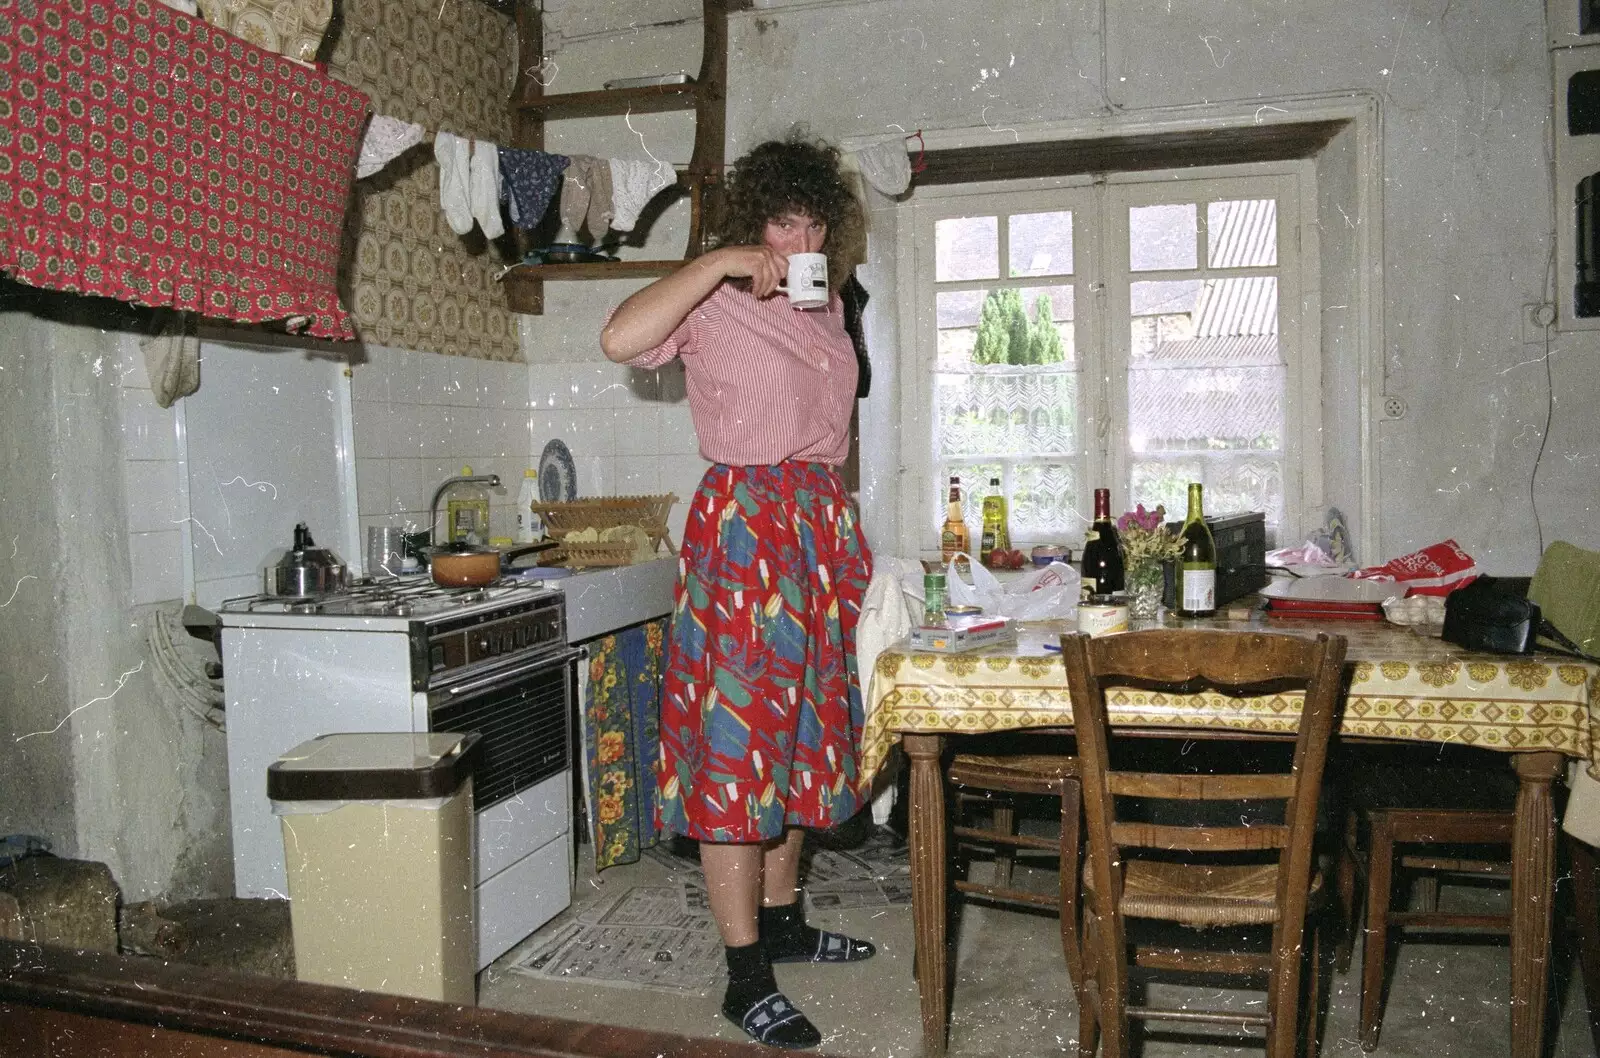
[565, 518]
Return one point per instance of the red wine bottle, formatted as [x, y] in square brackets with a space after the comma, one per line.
[1102, 552]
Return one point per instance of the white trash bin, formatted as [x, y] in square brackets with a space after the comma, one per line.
[378, 848]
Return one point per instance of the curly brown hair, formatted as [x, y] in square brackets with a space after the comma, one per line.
[794, 175]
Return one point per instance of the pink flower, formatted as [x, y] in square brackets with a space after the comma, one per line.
[1140, 518]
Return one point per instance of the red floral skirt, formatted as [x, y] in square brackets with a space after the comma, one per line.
[761, 710]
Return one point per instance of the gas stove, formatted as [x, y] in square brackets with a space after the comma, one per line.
[407, 598]
[409, 655]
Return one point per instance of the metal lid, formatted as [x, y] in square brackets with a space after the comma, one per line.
[374, 766]
[963, 610]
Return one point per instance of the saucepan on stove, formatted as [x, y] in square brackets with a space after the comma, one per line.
[472, 566]
[305, 569]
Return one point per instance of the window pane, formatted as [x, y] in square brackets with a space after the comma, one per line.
[1043, 504]
[1242, 234]
[966, 248]
[1006, 411]
[1235, 482]
[1040, 243]
[974, 487]
[1162, 236]
[1206, 394]
[1012, 332]
[1042, 499]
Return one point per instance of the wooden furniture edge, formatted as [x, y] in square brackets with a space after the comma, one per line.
[36, 981]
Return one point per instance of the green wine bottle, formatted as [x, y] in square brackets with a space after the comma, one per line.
[1197, 593]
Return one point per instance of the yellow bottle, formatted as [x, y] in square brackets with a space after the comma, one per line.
[467, 512]
[996, 532]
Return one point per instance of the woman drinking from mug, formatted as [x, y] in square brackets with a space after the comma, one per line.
[761, 711]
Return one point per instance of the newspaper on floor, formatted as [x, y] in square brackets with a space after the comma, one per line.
[662, 958]
[651, 906]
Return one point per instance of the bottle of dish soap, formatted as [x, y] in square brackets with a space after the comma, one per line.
[530, 527]
[467, 511]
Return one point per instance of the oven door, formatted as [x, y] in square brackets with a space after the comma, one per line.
[523, 713]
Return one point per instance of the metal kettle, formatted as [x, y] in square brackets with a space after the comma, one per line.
[305, 569]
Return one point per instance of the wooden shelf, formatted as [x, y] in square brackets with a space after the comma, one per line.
[701, 180]
[524, 284]
[646, 99]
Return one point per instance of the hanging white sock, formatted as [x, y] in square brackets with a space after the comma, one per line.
[451, 151]
[484, 191]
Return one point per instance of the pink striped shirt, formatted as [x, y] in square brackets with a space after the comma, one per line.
[767, 382]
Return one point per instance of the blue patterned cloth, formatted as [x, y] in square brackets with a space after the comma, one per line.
[621, 737]
[529, 180]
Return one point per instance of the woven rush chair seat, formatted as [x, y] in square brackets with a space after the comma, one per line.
[1236, 872]
[1201, 896]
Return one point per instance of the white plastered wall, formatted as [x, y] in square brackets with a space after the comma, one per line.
[1462, 111]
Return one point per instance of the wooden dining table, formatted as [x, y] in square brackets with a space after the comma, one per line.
[1403, 685]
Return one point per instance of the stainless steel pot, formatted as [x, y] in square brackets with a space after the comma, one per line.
[305, 569]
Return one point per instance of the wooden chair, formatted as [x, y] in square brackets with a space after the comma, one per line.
[1438, 832]
[1472, 834]
[995, 780]
[1230, 875]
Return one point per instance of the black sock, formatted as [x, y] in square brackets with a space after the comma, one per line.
[754, 1003]
[786, 938]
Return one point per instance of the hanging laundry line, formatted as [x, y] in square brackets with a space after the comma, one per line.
[477, 176]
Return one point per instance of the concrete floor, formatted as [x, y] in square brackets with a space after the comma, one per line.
[1011, 995]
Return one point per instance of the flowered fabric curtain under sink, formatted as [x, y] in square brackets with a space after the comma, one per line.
[622, 740]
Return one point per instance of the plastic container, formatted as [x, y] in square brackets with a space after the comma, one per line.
[466, 505]
[379, 854]
[1044, 554]
[530, 527]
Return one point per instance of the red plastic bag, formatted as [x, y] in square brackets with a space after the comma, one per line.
[1437, 569]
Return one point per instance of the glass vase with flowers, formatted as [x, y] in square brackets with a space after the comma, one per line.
[1147, 544]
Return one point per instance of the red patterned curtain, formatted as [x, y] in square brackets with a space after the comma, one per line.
[150, 157]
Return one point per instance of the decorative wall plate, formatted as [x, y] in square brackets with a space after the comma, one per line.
[558, 474]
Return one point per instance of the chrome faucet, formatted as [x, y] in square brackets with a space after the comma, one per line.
[491, 480]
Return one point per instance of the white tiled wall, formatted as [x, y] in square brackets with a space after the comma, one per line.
[420, 417]
[629, 430]
[150, 472]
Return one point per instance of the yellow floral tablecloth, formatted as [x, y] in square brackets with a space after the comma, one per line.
[1403, 686]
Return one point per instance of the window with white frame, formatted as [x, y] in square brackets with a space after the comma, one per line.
[1140, 332]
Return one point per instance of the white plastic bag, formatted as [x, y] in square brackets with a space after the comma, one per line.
[1043, 593]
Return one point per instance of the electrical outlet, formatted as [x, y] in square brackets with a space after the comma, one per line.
[1536, 318]
[1394, 408]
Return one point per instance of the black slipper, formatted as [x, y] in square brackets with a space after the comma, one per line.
[829, 947]
[776, 1022]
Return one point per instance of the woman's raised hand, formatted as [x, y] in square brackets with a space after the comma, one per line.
[765, 266]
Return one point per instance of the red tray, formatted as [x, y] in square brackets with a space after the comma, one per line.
[1304, 612]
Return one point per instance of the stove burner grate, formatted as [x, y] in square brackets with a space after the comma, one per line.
[381, 598]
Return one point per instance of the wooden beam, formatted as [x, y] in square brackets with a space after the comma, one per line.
[1134, 153]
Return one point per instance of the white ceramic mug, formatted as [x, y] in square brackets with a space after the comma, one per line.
[807, 284]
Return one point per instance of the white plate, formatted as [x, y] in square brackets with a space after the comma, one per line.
[558, 474]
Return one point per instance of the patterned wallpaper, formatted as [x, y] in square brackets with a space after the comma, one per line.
[412, 282]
